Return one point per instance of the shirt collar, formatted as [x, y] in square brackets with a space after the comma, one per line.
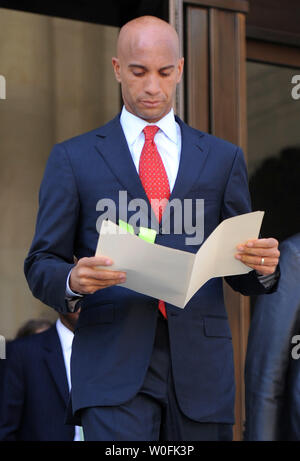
[133, 125]
[65, 335]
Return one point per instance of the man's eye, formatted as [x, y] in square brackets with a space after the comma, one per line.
[138, 74]
[163, 74]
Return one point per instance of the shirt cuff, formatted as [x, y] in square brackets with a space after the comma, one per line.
[69, 292]
[268, 281]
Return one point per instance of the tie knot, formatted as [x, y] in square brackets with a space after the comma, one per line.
[150, 131]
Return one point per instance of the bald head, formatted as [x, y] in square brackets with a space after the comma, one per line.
[148, 66]
[147, 31]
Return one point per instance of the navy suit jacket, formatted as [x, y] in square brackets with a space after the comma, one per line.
[35, 390]
[116, 328]
[272, 375]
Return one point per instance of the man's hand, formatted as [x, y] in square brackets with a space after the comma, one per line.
[259, 254]
[86, 277]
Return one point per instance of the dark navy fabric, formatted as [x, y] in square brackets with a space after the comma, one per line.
[153, 414]
[115, 334]
[272, 374]
[34, 391]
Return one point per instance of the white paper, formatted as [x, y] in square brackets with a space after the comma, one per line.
[173, 275]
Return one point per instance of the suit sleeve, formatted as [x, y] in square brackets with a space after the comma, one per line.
[237, 201]
[50, 257]
[274, 322]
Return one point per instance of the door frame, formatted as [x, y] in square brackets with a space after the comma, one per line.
[272, 53]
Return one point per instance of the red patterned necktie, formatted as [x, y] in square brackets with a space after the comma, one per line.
[155, 180]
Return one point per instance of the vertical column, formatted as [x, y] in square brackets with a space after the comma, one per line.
[228, 121]
[26, 134]
[228, 78]
[197, 62]
[59, 83]
[176, 19]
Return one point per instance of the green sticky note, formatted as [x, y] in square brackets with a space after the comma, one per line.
[81, 434]
[127, 227]
[147, 234]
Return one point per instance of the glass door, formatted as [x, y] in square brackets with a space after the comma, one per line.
[273, 118]
[274, 146]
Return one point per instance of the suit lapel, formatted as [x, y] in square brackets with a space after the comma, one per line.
[55, 362]
[194, 152]
[113, 147]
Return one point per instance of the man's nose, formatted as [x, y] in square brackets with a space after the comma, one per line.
[152, 85]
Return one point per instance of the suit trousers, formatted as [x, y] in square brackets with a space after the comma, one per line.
[153, 414]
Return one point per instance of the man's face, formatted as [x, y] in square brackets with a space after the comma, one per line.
[148, 70]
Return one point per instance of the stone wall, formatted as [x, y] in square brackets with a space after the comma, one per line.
[59, 83]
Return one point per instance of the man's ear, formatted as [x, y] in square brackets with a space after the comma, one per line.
[116, 66]
[180, 69]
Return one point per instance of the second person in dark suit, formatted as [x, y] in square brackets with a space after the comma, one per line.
[35, 387]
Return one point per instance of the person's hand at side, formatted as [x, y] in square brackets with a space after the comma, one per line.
[87, 277]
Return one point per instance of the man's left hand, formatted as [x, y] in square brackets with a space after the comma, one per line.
[259, 254]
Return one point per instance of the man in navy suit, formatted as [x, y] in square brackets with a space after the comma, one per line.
[35, 389]
[137, 375]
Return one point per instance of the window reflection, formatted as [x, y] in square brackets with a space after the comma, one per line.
[274, 148]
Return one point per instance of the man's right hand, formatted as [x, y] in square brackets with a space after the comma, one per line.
[86, 277]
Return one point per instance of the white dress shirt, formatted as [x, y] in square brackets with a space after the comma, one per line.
[66, 338]
[167, 140]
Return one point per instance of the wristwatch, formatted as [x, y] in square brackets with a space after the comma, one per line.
[73, 303]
